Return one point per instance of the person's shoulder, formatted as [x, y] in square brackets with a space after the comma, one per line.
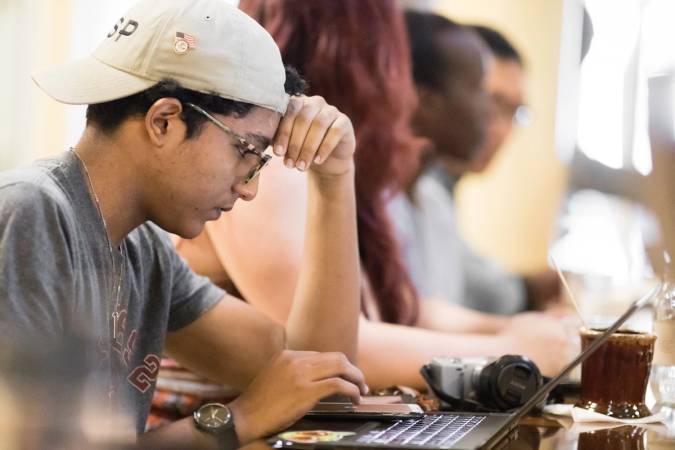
[30, 188]
[429, 190]
[400, 206]
[33, 205]
[434, 204]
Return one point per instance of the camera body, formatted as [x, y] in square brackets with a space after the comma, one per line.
[498, 384]
[458, 377]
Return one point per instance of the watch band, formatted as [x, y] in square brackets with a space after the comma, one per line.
[228, 439]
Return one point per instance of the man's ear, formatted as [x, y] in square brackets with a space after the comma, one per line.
[163, 120]
[430, 103]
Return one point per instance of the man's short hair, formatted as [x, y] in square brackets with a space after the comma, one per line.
[430, 66]
[108, 116]
[498, 44]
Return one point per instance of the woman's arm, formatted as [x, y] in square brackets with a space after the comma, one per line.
[438, 315]
[393, 354]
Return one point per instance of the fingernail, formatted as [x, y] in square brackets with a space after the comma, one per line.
[317, 159]
[279, 150]
[367, 390]
[289, 163]
[301, 166]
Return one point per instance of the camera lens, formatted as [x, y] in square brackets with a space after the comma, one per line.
[508, 382]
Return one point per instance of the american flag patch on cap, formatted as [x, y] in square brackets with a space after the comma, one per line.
[183, 42]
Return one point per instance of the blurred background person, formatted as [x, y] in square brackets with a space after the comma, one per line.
[470, 84]
[505, 85]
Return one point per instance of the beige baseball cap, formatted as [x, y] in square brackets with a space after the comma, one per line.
[208, 46]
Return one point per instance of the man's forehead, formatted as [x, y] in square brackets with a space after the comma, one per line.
[259, 126]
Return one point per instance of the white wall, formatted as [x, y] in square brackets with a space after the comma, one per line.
[32, 33]
[36, 34]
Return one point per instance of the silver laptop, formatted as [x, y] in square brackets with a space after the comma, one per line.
[437, 430]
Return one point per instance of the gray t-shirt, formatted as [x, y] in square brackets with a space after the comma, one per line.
[440, 263]
[56, 279]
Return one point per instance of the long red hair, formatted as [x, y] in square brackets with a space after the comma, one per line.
[355, 54]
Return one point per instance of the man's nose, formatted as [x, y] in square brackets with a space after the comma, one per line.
[246, 191]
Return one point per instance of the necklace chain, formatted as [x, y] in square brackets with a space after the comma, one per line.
[117, 287]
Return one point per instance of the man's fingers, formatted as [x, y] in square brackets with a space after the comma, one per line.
[283, 133]
[309, 131]
[317, 131]
[338, 386]
[301, 125]
[332, 138]
[329, 365]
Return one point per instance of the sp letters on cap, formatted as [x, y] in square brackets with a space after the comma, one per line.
[123, 28]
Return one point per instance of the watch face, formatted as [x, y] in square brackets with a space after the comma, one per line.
[213, 415]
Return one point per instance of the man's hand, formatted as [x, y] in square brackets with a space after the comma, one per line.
[315, 134]
[289, 387]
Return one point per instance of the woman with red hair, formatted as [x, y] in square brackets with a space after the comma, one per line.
[355, 54]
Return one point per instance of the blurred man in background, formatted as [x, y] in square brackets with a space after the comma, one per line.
[470, 87]
[505, 85]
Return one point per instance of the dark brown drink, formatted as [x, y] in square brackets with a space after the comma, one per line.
[614, 378]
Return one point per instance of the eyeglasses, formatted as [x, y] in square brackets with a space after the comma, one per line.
[244, 147]
[518, 114]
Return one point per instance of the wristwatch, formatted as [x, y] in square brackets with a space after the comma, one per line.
[216, 419]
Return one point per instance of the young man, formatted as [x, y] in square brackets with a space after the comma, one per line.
[466, 115]
[184, 97]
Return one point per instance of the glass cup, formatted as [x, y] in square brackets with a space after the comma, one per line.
[614, 378]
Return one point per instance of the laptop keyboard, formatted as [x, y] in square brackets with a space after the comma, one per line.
[431, 430]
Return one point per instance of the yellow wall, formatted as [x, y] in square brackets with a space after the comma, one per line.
[508, 212]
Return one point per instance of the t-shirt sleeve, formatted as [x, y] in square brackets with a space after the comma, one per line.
[36, 267]
[191, 295]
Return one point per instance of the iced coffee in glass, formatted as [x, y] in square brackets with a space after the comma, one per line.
[614, 378]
